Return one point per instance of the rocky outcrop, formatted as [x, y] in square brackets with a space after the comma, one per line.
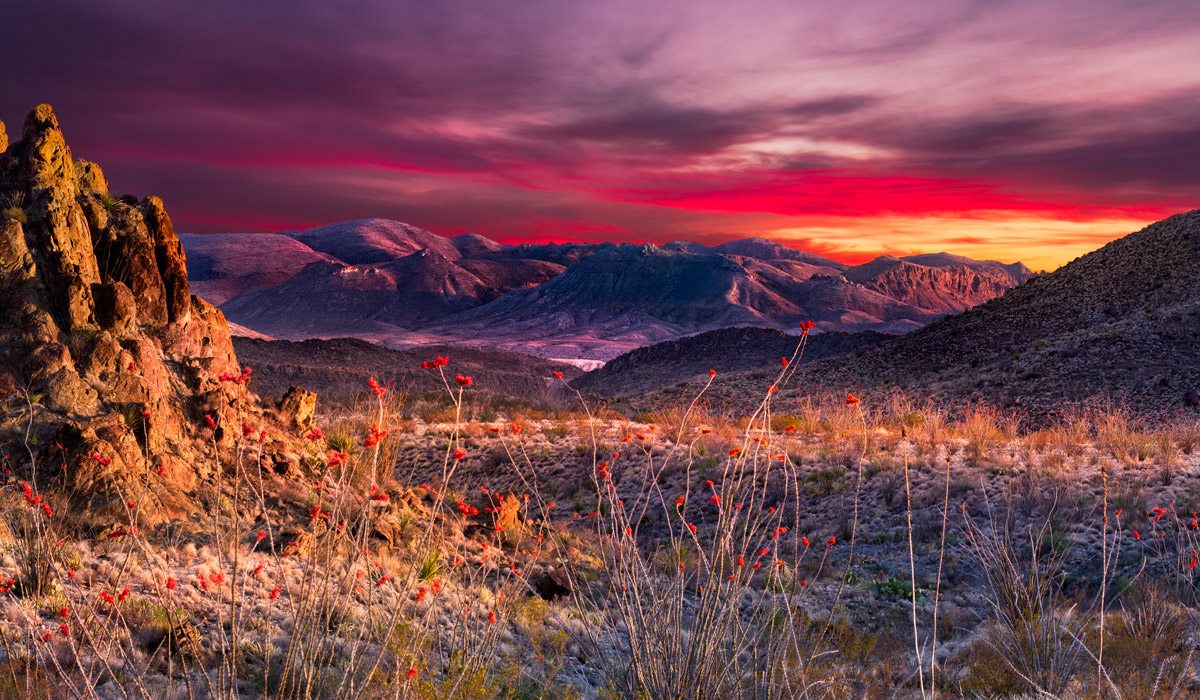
[299, 407]
[129, 374]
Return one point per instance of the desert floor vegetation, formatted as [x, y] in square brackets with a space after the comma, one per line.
[434, 547]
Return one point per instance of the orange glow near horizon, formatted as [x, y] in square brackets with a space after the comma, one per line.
[1006, 130]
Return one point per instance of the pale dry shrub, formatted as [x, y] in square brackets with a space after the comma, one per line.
[1033, 630]
[983, 430]
[1122, 435]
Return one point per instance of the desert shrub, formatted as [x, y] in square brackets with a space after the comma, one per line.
[1123, 436]
[1146, 649]
[981, 427]
[1034, 631]
[14, 208]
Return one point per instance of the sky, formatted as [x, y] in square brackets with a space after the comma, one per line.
[1031, 130]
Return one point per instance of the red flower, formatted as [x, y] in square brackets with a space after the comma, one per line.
[783, 361]
[460, 454]
[315, 434]
[262, 535]
[692, 527]
[735, 452]
[806, 326]
[716, 500]
[557, 374]
[832, 540]
[376, 387]
[851, 400]
[375, 436]
[274, 594]
[804, 541]
[125, 594]
[100, 459]
[64, 630]
[679, 502]
[171, 583]
[336, 457]
[64, 613]
[412, 672]
[772, 389]
[212, 424]
[491, 617]
[464, 379]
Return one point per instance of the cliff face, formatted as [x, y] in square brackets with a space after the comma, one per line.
[100, 336]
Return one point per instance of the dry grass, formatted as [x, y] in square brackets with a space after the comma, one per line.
[827, 549]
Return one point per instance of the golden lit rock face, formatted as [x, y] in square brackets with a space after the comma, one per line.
[101, 326]
[172, 262]
[56, 223]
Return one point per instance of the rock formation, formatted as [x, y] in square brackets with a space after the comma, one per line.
[133, 380]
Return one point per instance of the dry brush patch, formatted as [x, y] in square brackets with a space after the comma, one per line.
[819, 549]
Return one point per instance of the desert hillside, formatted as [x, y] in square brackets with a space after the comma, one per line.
[1118, 326]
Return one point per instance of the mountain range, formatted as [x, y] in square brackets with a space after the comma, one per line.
[393, 283]
[1120, 325]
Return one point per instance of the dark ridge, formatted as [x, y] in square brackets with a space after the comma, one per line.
[725, 350]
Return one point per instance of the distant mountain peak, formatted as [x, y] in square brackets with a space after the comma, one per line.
[388, 279]
[766, 249]
[474, 244]
[373, 240]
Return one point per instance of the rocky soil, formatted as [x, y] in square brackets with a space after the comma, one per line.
[339, 369]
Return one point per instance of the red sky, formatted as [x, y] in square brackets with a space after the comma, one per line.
[1011, 130]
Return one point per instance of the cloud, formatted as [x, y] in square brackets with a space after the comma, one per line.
[620, 119]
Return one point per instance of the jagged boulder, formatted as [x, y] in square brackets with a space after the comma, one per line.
[299, 407]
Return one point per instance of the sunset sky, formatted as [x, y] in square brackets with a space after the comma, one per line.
[1009, 129]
